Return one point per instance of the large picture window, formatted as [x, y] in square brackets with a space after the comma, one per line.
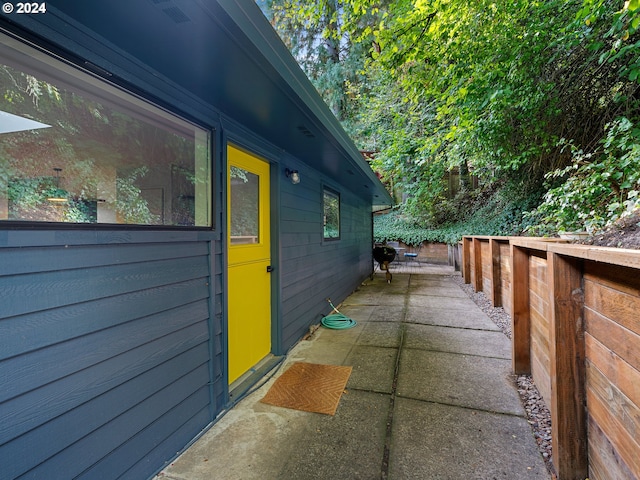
[331, 208]
[75, 149]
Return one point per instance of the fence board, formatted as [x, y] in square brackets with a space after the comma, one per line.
[487, 267]
[541, 378]
[623, 279]
[614, 304]
[566, 352]
[620, 373]
[476, 258]
[574, 312]
[619, 405]
[623, 444]
[625, 343]
[466, 259]
[604, 461]
[496, 270]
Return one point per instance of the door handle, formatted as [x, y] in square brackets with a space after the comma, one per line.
[269, 269]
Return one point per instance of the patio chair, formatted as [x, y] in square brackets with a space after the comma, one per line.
[399, 250]
[413, 254]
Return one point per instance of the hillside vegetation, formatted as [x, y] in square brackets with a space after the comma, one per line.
[532, 105]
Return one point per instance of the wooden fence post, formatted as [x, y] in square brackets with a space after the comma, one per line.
[476, 251]
[520, 318]
[496, 280]
[466, 259]
[567, 356]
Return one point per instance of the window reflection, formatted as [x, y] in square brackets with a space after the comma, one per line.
[74, 149]
[244, 207]
[331, 207]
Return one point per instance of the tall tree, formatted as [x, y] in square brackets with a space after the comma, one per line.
[326, 37]
[509, 90]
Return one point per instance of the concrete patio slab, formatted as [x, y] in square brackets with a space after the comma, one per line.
[430, 396]
[386, 313]
[360, 313]
[439, 291]
[347, 446]
[374, 298]
[458, 340]
[473, 319]
[460, 304]
[379, 334]
[435, 441]
[373, 368]
[463, 380]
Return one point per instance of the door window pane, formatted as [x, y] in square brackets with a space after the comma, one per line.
[75, 149]
[244, 207]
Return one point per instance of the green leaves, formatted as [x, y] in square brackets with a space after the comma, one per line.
[598, 188]
[490, 86]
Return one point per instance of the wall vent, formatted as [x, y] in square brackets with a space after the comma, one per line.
[305, 131]
[176, 14]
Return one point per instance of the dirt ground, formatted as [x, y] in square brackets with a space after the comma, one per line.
[624, 234]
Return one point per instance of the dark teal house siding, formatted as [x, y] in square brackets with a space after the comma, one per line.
[106, 351]
[314, 269]
[113, 348]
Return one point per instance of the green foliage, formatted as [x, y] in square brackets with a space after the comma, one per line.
[482, 214]
[129, 203]
[597, 188]
[330, 39]
[528, 95]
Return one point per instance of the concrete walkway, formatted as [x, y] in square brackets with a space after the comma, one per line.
[430, 397]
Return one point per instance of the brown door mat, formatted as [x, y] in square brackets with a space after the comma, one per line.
[310, 387]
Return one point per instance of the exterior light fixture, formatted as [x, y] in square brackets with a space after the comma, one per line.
[57, 195]
[292, 175]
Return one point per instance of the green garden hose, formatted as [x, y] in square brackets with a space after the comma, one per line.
[337, 321]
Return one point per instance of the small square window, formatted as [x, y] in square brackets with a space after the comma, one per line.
[331, 211]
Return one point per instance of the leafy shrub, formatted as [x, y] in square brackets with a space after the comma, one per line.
[494, 214]
[597, 189]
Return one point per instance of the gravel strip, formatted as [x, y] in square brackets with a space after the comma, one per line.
[536, 410]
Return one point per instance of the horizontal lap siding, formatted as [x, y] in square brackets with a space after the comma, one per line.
[539, 315]
[104, 356]
[612, 302]
[313, 269]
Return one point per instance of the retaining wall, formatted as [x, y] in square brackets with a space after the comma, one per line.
[576, 330]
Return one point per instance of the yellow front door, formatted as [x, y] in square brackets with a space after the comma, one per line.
[249, 285]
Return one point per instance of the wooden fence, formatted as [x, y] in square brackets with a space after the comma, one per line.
[575, 313]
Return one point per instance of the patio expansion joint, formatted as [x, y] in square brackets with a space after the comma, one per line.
[464, 407]
[454, 327]
[384, 473]
[459, 353]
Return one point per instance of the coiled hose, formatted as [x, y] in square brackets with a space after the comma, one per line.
[337, 321]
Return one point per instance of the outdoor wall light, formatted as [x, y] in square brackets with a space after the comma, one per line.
[292, 175]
